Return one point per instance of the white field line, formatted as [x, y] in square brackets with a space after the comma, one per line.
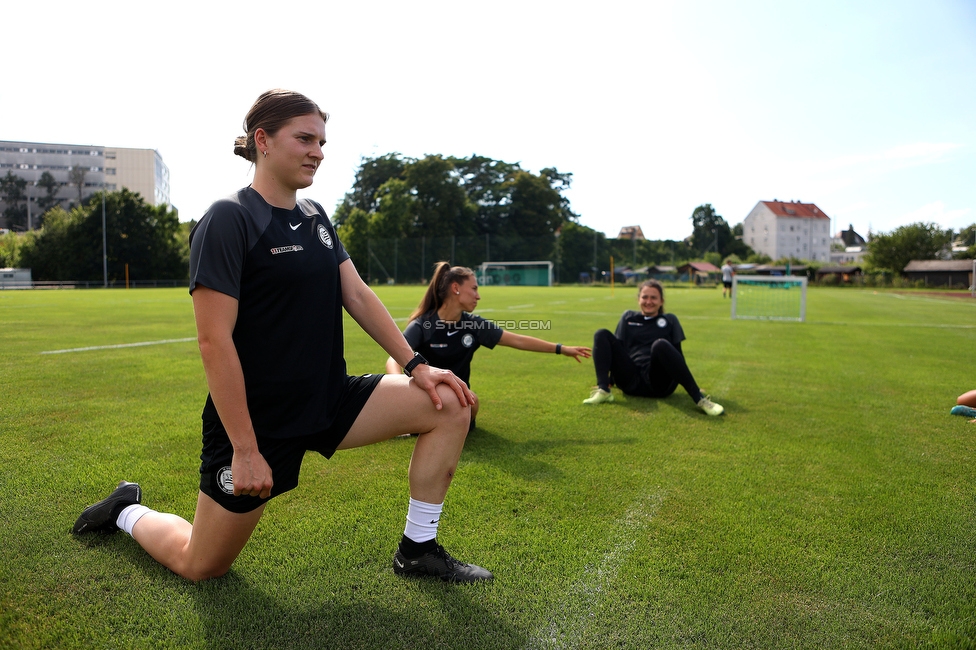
[828, 322]
[120, 345]
[577, 611]
[941, 301]
[522, 306]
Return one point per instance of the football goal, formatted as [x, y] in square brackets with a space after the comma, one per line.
[769, 297]
[533, 274]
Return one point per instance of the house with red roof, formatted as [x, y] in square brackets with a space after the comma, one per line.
[788, 229]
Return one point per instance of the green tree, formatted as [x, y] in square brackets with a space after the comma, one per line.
[12, 191]
[51, 187]
[967, 237]
[371, 175]
[10, 243]
[917, 241]
[183, 241]
[484, 180]
[446, 206]
[396, 207]
[354, 234]
[442, 206]
[581, 250]
[711, 233]
[76, 176]
[147, 238]
[707, 228]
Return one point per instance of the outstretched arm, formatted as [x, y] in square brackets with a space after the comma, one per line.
[367, 310]
[532, 344]
[216, 315]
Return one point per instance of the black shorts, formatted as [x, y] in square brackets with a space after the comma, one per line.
[283, 455]
[728, 285]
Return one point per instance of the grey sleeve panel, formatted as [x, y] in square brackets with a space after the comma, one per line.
[220, 241]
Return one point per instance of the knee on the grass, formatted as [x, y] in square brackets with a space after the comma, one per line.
[967, 399]
[205, 572]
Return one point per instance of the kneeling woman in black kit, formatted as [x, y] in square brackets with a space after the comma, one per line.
[644, 357]
[269, 280]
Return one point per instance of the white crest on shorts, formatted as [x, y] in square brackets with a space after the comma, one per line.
[662, 322]
[324, 236]
[467, 340]
[225, 480]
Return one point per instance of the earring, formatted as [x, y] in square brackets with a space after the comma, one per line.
[265, 154]
[457, 293]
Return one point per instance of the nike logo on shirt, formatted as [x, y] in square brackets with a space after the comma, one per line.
[294, 226]
[452, 333]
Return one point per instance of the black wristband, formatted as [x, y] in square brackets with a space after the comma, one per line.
[417, 360]
[559, 348]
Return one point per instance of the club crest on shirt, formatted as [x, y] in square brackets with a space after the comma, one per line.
[225, 480]
[467, 340]
[324, 236]
[662, 322]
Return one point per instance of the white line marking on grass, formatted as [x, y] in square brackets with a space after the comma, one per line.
[120, 345]
[581, 604]
[522, 306]
[947, 326]
[558, 302]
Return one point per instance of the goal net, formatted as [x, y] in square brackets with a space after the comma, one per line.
[534, 274]
[769, 297]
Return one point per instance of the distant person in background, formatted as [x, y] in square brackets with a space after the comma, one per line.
[443, 330]
[644, 357]
[727, 273]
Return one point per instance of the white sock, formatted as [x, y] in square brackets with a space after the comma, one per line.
[130, 515]
[422, 520]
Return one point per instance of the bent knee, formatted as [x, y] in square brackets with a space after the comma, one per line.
[204, 572]
[452, 412]
[603, 334]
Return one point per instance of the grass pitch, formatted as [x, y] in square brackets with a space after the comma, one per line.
[832, 506]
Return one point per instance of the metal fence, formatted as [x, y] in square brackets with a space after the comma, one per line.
[93, 284]
[411, 260]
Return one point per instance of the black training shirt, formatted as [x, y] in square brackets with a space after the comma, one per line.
[451, 345]
[638, 332]
[283, 268]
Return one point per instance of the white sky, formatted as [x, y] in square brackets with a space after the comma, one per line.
[866, 108]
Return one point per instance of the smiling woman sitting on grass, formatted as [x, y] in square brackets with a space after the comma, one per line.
[644, 357]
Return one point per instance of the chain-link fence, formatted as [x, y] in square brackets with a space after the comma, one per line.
[411, 260]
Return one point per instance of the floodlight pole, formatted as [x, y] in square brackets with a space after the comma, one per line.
[104, 245]
[28, 206]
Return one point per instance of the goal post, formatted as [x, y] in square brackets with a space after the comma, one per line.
[769, 297]
[531, 274]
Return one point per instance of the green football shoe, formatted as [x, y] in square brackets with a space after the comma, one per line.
[599, 396]
[710, 407]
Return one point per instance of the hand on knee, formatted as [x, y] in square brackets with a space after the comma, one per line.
[453, 415]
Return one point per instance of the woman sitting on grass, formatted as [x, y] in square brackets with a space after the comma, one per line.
[644, 357]
[442, 329]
